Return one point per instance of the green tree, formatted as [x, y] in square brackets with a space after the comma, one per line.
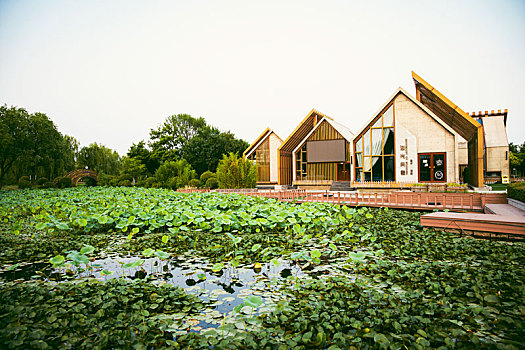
[175, 174]
[14, 138]
[169, 138]
[99, 158]
[206, 148]
[236, 172]
[145, 156]
[132, 168]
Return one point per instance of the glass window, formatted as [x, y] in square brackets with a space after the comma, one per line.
[375, 156]
[359, 160]
[378, 123]
[359, 145]
[388, 140]
[367, 164]
[388, 116]
[377, 141]
[389, 169]
[366, 143]
[377, 169]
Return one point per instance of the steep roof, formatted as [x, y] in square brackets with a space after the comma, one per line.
[303, 129]
[447, 111]
[340, 128]
[265, 134]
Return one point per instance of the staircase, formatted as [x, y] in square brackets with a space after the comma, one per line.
[339, 186]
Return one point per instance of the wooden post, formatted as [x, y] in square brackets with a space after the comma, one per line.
[471, 199]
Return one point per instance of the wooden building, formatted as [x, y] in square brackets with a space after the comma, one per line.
[421, 139]
[263, 151]
[316, 153]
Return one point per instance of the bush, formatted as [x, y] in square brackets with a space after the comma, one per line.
[63, 182]
[42, 181]
[194, 183]
[516, 191]
[236, 172]
[126, 183]
[24, 182]
[175, 174]
[48, 184]
[105, 179]
[114, 181]
[212, 183]
[149, 182]
[206, 175]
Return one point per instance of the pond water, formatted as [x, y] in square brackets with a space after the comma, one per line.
[222, 291]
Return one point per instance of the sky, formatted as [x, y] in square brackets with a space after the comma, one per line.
[109, 71]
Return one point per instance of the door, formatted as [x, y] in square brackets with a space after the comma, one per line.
[343, 172]
[432, 167]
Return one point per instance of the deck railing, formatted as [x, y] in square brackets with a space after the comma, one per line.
[401, 200]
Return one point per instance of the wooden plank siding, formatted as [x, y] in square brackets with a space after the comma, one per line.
[284, 153]
[263, 161]
[325, 131]
[324, 170]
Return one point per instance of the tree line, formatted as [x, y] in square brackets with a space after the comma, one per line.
[183, 151]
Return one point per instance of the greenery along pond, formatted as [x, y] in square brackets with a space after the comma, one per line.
[147, 268]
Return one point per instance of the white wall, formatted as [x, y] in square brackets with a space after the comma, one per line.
[275, 142]
[422, 134]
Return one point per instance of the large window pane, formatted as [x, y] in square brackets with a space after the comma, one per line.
[378, 123]
[366, 143]
[377, 141]
[359, 145]
[367, 163]
[388, 117]
[377, 169]
[390, 169]
[359, 160]
[388, 139]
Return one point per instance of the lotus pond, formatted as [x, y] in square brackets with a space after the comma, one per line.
[149, 269]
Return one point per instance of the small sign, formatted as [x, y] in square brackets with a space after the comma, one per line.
[505, 179]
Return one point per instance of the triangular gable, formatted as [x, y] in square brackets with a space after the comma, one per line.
[341, 129]
[400, 90]
[306, 125]
[265, 134]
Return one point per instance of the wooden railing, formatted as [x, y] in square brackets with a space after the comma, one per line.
[400, 200]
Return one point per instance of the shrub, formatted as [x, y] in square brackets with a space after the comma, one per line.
[114, 181]
[126, 183]
[194, 183]
[148, 182]
[516, 191]
[206, 175]
[212, 183]
[42, 181]
[24, 182]
[48, 184]
[105, 179]
[236, 172]
[175, 174]
[63, 182]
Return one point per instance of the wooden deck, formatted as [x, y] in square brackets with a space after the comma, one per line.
[476, 224]
[501, 221]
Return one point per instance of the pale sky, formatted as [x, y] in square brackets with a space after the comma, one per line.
[109, 71]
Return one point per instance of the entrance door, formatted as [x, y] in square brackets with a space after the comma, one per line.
[432, 167]
[343, 172]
